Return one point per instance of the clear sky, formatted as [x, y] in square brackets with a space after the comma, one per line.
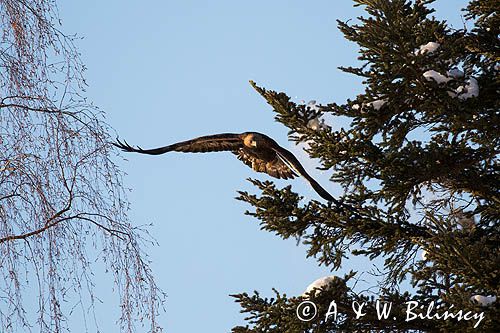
[167, 71]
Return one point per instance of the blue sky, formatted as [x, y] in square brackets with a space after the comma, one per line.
[167, 71]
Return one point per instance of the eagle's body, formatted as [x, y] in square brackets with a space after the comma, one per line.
[256, 150]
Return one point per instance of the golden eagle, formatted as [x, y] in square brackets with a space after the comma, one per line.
[256, 150]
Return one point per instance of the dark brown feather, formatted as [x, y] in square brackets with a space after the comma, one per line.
[292, 161]
[275, 168]
[203, 144]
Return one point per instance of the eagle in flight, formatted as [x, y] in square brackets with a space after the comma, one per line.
[256, 150]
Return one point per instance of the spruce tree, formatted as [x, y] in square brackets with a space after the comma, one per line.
[418, 164]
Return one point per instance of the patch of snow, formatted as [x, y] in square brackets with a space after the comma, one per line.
[320, 284]
[427, 48]
[377, 104]
[311, 105]
[455, 73]
[436, 76]
[316, 125]
[484, 300]
[470, 90]
[313, 124]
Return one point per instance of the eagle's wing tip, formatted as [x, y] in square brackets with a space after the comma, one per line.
[124, 146]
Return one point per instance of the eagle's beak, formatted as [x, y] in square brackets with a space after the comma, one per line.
[253, 143]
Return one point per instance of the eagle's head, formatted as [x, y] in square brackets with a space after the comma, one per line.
[253, 140]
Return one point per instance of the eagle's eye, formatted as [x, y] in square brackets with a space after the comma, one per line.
[250, 141]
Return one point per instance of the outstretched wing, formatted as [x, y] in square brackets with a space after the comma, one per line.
[203, 144]
[276, 168]
[294, 164]
[283, 165]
